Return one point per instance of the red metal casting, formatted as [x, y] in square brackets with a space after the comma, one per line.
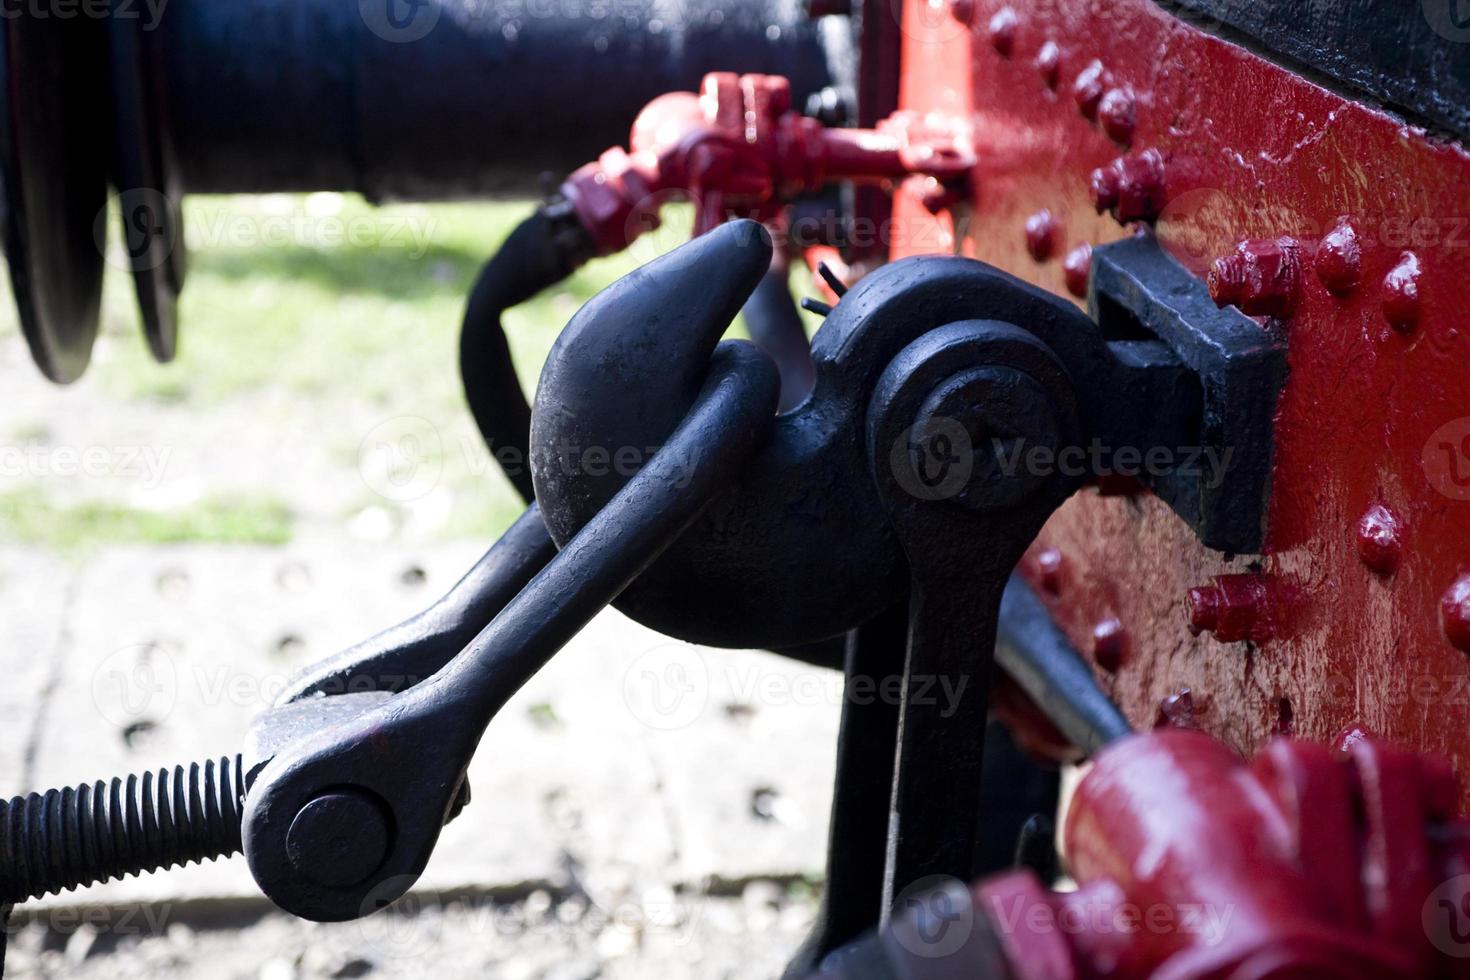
[738, 149]
[1346, 222]
[1308, 863]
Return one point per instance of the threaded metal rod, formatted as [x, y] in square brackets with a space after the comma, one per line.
[104, 830]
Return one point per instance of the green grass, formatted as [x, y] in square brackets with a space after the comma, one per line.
[275, 298]
[30, 519]
[324, 305]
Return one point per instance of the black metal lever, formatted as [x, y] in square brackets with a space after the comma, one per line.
[342, 821]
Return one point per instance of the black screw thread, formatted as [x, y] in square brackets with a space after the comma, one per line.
[99, 831]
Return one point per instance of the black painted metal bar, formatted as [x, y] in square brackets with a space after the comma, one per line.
[418, 648]
[1037, 655]
[857, 839]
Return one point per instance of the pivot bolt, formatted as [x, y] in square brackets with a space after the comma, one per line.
[340, 838]
[1260, 278]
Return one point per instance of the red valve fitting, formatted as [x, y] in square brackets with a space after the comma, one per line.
[1191, 864]
[740, 150]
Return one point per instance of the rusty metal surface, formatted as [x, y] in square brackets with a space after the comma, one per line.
[1369, 523]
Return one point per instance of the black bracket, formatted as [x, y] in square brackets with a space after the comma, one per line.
[1139, 293]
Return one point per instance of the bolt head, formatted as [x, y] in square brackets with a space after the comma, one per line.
[1260, 278]
[340, 838]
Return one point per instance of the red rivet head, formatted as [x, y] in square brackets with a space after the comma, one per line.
[1108, 645]
[1178, 710]
[1380, 540]
[1041, 235]
[1049, 63]
[1002, 31]
[1261, 278]
[1077, 267]
[1401, 294]
[1049, 564]
[1454, 614]
[1118, 113]
[1088, 89]
[1339, 262]
[1102, 187]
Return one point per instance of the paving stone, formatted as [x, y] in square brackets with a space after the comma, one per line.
[630, 761]
[34, 588]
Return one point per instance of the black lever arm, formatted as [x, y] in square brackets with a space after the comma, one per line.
[341, 823]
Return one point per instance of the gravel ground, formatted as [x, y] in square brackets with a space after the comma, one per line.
[538, 937]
